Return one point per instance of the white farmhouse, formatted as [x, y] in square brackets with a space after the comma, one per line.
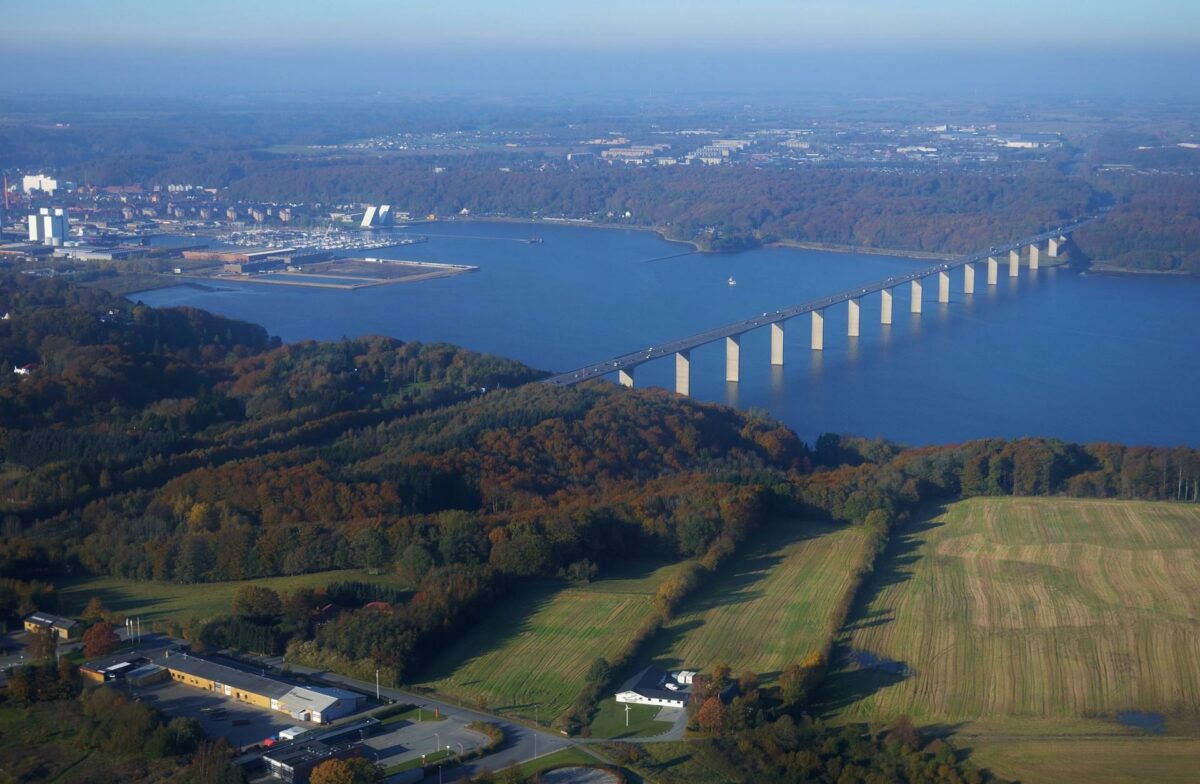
[655, 686]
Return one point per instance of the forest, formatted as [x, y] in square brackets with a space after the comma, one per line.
[176, 445]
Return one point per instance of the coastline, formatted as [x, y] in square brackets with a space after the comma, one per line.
[1100, 268]
[695, 246]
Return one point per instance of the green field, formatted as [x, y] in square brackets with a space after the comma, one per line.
[156, 601]
[771, 605]
[532, 652]
[1094, 761]
[1032, 616]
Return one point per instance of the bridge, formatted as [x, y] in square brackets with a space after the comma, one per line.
[1028, 248]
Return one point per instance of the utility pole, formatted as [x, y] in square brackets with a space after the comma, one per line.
[626, 715]
[377, 684]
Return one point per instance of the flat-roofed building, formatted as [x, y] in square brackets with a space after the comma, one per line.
[62, 628]
[295, 762]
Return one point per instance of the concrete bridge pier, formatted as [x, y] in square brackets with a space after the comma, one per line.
[852, 321]
[625, 376]
[885, 307]
[993, 270]
[943, 287]
[818, 330]
[777, 343]
[1014, 263]
[1033, 256]
[733, 357]
[968, 278]
[915, 304]
[683, 372]
[1053, 246]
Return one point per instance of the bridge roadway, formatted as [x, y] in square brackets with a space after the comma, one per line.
[632, 360]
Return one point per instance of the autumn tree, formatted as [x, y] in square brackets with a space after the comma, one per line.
[904, 732]
[257, 603]
[95, 610]
[42, 646]
[100, 640]
[712, 717]
[345, 771]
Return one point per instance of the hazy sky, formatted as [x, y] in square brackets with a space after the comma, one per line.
[776, 23]
[553, 44]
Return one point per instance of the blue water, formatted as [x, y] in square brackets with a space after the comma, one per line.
[1081, 357]
[1154, 723]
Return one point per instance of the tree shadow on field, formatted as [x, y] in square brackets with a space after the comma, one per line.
[850, 681]
[666, 640]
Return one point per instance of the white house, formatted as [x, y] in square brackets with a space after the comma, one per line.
[655, 686]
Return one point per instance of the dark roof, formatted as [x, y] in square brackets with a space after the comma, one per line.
[649, 683]
[46, 619]
[304, 752]
[220, 673]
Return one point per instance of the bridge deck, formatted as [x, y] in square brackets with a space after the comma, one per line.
[633, 359]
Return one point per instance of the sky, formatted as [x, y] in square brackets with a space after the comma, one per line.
[554, 43]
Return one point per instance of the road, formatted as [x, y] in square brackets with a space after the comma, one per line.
[521, 743]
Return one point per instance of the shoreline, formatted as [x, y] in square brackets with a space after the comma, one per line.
[1100, 268]
[830, 247]
[695, 246]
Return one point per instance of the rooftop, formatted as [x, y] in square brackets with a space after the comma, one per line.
[220, 673]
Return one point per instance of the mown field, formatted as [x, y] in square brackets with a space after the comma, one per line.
[1031, 616]
[157, 601]
[530, 656]
[771, 605]
[1094, 761]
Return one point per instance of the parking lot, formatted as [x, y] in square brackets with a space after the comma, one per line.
[406, 740]
[240, 724]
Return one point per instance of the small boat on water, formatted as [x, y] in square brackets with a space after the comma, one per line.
[535, 240]
[732, 282]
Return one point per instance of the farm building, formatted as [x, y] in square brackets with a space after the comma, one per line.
[656, 686]
[320, 705]
[63, 628]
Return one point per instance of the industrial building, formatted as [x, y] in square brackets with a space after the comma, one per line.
[320, 705]
[236, 256]
[63, 628]
[49, 226]
[294, 763]
[31, 183]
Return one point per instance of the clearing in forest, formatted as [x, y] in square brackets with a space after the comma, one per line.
[531, 655]
[771, 605]
[1030, 616]
[161, 601]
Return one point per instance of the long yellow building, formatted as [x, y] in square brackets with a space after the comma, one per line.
[320, 705]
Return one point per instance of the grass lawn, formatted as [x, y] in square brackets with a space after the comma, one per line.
[1095, 761]
[156, 601]
[533, 651]
[609, 721]
[429, 759]
[770, 606]
[414, 713]
[1020, 614]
